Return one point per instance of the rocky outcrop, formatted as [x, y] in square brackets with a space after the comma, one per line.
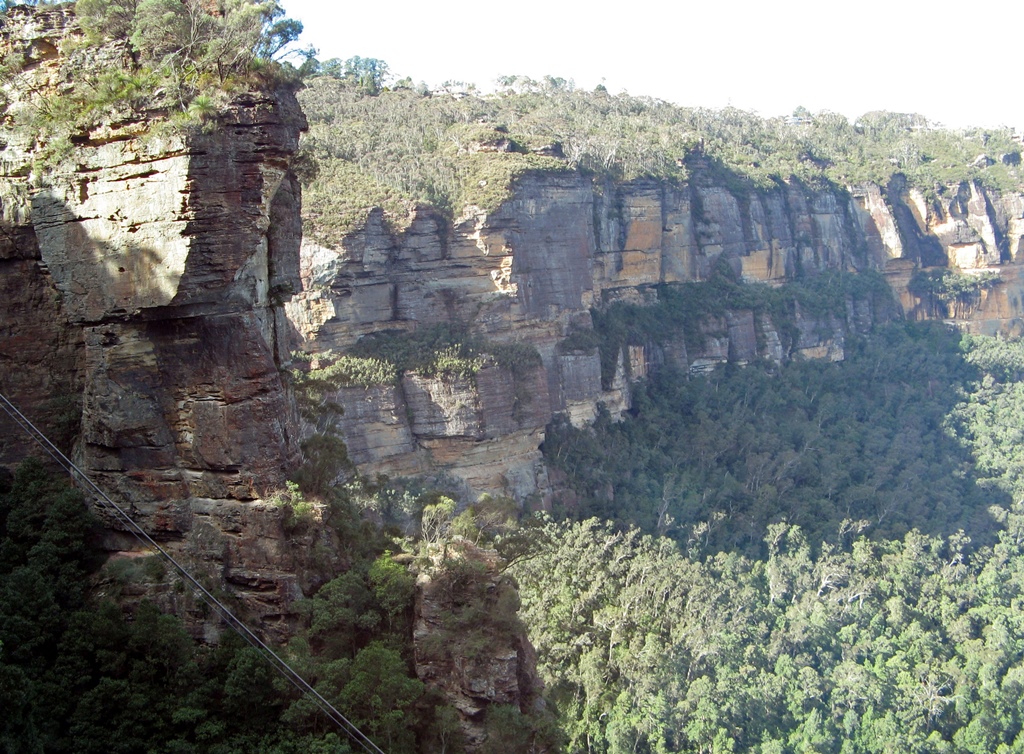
[143, 272]
[469, 644]
[655, 233]
[39, 360]
[165, 262]
[148, 279]
[965, 228]
[259, 553]
[170, 262]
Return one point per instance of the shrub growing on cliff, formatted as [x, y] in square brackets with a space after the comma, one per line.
[193, 45]
[192, 37]
[957, 292]
[332, 372]
[106, 19]
[447, 349]
[295, 510]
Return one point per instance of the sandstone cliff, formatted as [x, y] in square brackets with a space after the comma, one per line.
[469, 644]
[531, 271]
[139, 274]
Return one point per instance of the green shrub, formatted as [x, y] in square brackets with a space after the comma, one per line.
[296, 510]
[951, 286]
[444, 350]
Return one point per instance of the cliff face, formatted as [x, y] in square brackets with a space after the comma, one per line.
[531, 271]
[40, 359]
[971, 230]
[140, 273]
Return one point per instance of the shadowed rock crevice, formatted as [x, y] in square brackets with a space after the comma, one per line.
[921, 247]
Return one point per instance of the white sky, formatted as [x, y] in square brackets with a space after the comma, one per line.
[959, 64]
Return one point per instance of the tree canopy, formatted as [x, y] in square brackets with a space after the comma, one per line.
[193, 39]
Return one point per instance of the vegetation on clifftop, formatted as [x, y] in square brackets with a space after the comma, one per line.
[154, 58]
[397, 147]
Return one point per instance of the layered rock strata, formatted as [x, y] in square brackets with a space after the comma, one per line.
[147, 312]
[531, 271]
[140, 273]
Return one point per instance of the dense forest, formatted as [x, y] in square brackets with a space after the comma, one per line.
[887, 442]
[817, 557]
[806, 557]
[707, 589]
[84, 674]
[85, 666]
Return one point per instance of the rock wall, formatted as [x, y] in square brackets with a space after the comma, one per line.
[530, 273]
[140, 313]
[40, 361]
[147, 309]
